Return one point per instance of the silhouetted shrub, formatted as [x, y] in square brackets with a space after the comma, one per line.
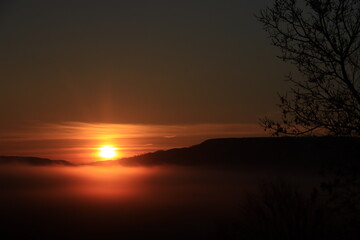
[280, 211]
[341, 188]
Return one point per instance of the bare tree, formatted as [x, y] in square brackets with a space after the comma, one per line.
[321, 38]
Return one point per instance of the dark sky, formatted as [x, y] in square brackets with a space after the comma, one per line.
[136, 62]
[156, 62]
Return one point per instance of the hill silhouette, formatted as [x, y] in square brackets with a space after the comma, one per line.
[33, 161]
[283, 151]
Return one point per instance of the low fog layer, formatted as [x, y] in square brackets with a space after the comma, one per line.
[166, 202]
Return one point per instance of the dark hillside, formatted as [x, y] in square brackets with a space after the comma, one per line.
[34, 161]
[252, 151]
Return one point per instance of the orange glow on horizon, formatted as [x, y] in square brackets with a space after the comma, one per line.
[108, 152]
[81, 142]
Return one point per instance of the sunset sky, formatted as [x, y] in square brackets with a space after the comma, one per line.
[141, 75]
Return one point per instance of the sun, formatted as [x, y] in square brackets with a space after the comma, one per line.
[107, 152]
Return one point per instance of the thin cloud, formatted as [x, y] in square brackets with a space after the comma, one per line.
[87, 131]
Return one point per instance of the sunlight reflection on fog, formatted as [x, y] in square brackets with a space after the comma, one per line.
[139, 184]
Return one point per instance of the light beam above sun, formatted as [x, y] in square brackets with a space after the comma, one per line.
[107, 152]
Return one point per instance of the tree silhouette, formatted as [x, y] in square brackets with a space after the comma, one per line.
[321, 38]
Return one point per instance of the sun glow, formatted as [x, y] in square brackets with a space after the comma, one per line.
[108, 152]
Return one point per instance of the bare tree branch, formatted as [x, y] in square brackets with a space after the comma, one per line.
[322, 39]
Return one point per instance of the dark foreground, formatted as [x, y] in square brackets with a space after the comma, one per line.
[290, 189]
[126, 203]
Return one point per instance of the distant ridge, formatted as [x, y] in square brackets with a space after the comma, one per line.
[33, 161]
[227, 152]
[252, 151]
